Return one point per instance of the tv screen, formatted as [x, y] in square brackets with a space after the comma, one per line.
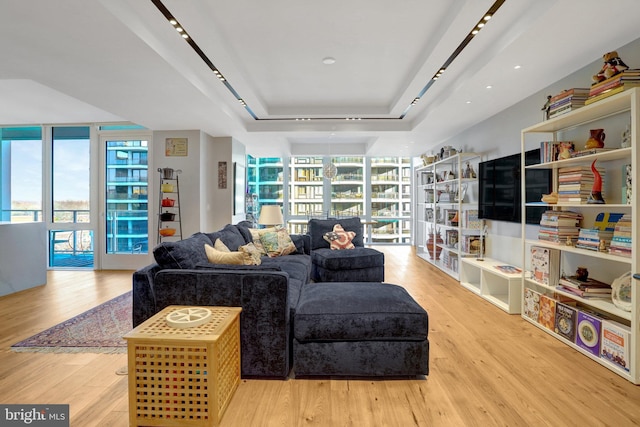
[500, 193]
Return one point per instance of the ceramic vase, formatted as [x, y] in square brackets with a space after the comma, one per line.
[596, 140]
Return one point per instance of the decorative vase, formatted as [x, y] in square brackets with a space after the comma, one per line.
[596, 190]
[596, 140]
[432, 245]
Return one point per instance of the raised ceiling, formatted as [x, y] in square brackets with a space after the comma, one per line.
[72, 61]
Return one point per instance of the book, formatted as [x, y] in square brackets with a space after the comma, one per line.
[574, 282]
[616, 340]
[585, 295]
[570, 92]
[545, 265]
[509, 269]
[588, 332]
[547, 314]
[531, 304]
[565, 321]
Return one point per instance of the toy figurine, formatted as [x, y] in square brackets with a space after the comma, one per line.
[545, 108]
[612, 65]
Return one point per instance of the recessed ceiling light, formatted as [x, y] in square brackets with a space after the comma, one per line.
[329, 60]
[468, 102]
[517, 67]
[489, 86]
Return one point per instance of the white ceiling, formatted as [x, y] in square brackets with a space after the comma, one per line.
[78, 61]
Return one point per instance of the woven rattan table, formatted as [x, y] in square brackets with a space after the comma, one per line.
[183, 377]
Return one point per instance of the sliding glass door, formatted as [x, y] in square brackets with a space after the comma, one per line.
[125, 225]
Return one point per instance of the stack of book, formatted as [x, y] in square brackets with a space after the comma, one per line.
[589, 238]
[590, 288]
[567, 100]
[621, 240]
[625, 80]
[575, 183]
[558, 226]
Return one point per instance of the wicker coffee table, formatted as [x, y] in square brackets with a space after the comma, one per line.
[183, 376]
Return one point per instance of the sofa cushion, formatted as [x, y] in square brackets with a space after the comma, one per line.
[318, 227]
[347, 260]
[252, 268]
[358, 312]
[299, 262]
[256, 233]
[230, 236]
[220, 246]
[253, 252]
[243, 228]
[183, 254]
[339, 238]
[277, 242]
[225, 257]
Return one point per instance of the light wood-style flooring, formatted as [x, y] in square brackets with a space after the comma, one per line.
[488, 368]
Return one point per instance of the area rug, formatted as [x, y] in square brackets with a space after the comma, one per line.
[98, 330]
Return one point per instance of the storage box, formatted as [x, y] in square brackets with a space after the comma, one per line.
[616, 339]
[183, 376]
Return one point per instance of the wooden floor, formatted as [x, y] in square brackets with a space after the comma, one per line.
[487, 368]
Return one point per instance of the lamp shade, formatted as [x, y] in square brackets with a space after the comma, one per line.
[270, 215]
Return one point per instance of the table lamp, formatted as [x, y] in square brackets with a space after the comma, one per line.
[271, 215]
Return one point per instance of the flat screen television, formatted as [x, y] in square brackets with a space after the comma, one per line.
[500, 195]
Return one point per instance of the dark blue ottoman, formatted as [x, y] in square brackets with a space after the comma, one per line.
[350, 265]
[359, 329]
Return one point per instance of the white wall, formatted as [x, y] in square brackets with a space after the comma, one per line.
[500, 135]
[204, 207]
[189, 178]
[23, 256]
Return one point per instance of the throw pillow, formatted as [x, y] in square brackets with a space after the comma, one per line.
[339, 238]
[219, 257]
[253, 252]
[220, 246]
[256, 233]
[278, 242]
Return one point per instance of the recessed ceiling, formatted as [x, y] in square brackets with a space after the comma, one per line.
[110, 60]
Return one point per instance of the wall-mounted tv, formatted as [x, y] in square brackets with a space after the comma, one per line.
[500, 192]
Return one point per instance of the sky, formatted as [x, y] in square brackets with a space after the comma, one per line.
[71, 170]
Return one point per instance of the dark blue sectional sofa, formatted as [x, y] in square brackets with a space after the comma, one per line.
[351, 324]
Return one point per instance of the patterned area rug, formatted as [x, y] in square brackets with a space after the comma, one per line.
[98, 330]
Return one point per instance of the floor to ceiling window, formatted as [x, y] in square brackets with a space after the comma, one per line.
[21, 174]
[70, 229]
[127, 210]
[375, 189]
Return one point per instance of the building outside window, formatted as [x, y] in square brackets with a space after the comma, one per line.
[375, 189]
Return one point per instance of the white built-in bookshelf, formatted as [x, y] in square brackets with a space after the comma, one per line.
[615, 114]
[443, 189]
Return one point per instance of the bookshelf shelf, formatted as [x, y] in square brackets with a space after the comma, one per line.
[607, 113]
